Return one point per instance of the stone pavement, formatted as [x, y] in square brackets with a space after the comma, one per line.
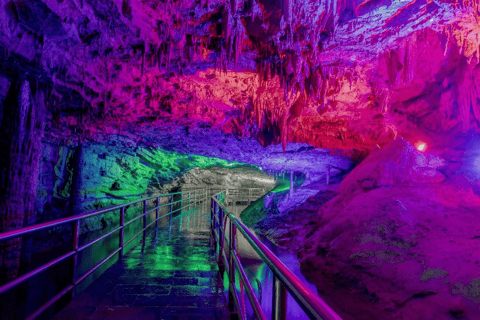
[173, 276]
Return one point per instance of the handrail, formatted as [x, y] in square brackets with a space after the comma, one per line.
[23, 231]
[310, 302]
[199, 196]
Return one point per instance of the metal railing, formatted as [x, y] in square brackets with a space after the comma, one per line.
[225, 244]
[192, 197]
[238, 196]
[243, 196]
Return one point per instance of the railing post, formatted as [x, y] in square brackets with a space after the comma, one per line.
[171, 206]
[231, 270]
[279, 300]
[144, 219]
[189, 204]
[76, 233]
[221, 233]
[156, 212]
[122, 224]
[215, 217]
[212, 224]
[181, 202]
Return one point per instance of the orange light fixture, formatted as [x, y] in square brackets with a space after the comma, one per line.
[421, 146]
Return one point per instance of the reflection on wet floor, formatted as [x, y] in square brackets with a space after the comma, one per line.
[261, 277]
[173, 275]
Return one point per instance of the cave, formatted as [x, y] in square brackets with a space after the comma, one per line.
[357, 122]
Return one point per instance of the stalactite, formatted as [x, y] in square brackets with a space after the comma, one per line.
[449, 35]
[284, 130]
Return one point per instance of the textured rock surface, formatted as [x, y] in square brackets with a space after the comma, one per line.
[397, 247]
[293, 190]
[340, 74]
[118, 171]
[21, 129]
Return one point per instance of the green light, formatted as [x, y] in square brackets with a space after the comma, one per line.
[282, 185]
[170, 160]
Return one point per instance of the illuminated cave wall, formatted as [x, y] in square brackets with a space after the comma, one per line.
[96, 175]
[342, 74]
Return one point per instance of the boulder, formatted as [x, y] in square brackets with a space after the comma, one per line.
[398, 241]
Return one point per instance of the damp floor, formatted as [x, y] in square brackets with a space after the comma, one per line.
[173, 275]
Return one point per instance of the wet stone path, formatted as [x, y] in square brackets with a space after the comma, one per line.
[173, 276]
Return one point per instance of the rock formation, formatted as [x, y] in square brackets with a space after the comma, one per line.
[396, 239]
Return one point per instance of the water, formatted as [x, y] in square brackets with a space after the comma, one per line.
[261, 277]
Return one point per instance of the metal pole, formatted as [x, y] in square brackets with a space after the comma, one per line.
[189, 201]
[231, 270]
[212, 226]
[215, 214]
[156, 212]
[279, 300]
[76, 232]
[171, 217]
[144, 219]
[181, 202]
[122, 224]
[221, 232]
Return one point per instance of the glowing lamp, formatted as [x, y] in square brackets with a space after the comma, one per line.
[421, 146]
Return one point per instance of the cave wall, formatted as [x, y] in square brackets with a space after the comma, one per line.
[94, 175]
[334, 74]
[227, 178]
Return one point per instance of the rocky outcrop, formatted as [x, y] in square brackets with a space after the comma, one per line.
[396, 239]
[397, 242]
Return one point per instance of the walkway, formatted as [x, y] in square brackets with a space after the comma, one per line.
[174, 276]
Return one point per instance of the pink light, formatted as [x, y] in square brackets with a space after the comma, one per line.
[421, 146]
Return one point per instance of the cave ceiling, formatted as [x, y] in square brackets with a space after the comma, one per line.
[334, 74]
